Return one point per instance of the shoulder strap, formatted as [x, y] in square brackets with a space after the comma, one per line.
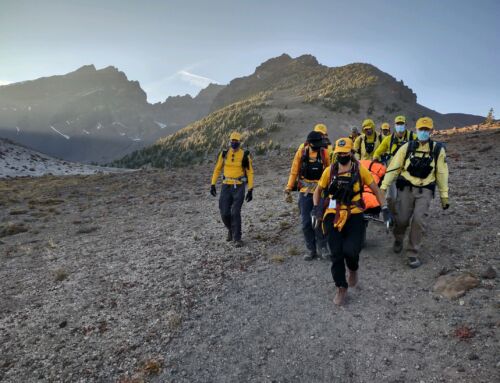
[412, 146]
[435, 153]
[224, 154]
[246, 162]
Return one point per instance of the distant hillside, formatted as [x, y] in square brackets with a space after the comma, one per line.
[282, 100]
[92, 115]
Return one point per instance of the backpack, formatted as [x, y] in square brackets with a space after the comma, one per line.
[305, 166]
[342, 188]
[434, 151]
[369, 147]
[245, 163]
[408, 137]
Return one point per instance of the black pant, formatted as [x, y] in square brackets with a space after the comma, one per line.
[312, 237]
[345, 246]
[230, 202]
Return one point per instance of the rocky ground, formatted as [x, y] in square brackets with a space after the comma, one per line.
[20, 161]
[127, 278]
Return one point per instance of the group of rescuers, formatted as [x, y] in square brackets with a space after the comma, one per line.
[393, 173]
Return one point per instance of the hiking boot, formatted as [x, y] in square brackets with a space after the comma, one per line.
[238, 243]
[340, 296]
[352, 278]
[229, 237]
[397, 247]
[414, 262]
[310, 256]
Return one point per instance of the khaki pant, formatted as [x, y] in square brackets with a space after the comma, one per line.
[412, 204]
[391, 196]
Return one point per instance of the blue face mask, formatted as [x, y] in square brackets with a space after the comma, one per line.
[400, 128]
[235, 145]
[423, 135]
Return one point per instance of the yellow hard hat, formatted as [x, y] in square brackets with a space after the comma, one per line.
[321, 128]
[400, 119]
[235, 136]
[343, 145]
[368, 124]
[385, 126]
[425, 122]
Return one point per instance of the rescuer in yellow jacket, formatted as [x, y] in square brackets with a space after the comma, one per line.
[323, 130]
[418, 167]
[338, 203]
[391, 143]
[388, 148]
[366, 144]
[236, 165]
[385, 130]
[308, 164]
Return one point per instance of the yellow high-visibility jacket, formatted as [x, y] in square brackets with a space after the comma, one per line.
[397, 142]
[360, 146]
[233, 168]
[308, 185]
[398, 168]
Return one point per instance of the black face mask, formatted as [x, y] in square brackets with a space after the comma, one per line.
[343, 160]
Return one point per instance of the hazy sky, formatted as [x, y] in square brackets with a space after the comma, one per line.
[447, 51]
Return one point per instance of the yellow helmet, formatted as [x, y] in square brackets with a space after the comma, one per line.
[235, 136]
[385, 126]
[368, 124]
[321, 128]
[425, 122]
[400, 119]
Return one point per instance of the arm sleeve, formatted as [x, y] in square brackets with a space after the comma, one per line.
[249, 172]
[442, 174]
[366, 176]
[382, 148]
[395, 167]
[217, 169]
[325, 178]
[357, 147]
[294, 170]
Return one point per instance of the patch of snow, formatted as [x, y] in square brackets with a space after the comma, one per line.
[98, 126]
[119, 124]
[67, 122]
[18, 161]
[136, 139]
[85, 131]
[161, 124]
[57, 131]
[18, 130]
[29, 108]
[122, 134]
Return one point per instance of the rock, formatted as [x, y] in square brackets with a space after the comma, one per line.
[489, 273]
[453, 286]
[63, 324]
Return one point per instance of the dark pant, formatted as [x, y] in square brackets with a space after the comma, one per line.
[230, 201]
[311, 236]
[345, 246]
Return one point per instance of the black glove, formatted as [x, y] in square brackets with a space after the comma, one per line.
[386, 213]
[249, 196]
[213, 191]
[315, 220]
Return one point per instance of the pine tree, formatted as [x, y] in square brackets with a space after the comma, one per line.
[490, 118]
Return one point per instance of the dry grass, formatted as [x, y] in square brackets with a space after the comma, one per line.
[7, 229]
[60, 275]
[152, 366]
[277, 259]
[293, 251]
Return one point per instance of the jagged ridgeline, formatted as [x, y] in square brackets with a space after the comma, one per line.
[202, 138]
[263, 108]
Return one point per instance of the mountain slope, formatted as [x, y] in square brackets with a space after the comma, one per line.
[92, 115]
[282, 100]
